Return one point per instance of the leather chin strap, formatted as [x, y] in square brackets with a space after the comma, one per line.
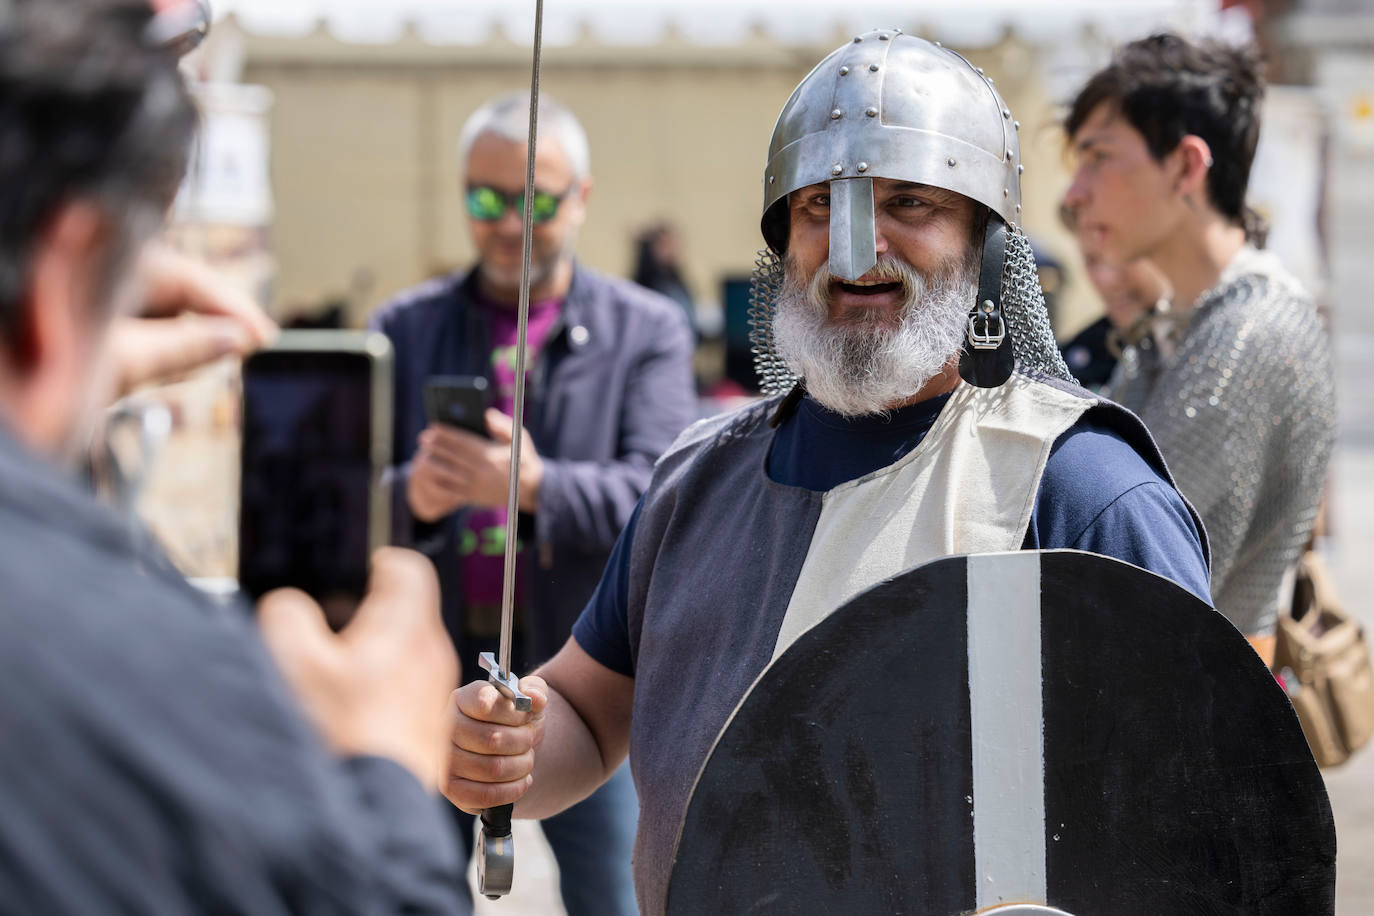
[994, 257]
[988, 367]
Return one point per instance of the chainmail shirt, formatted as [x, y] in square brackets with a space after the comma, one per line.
[1240, 397]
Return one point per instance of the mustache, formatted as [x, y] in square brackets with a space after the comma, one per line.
[857, 366]
[816, 290]
[888, 269]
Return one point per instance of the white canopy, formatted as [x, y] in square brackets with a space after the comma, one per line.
[964, 23]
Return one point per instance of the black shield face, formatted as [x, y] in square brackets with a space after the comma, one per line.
[1092, 737]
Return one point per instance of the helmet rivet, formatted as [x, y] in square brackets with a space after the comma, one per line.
[1020, 169]
[1016, 125]
[837, 170]
[950, 162]
[980, 70]
[863, 166]
[1006, 192]
[871, 112]
[858, 38]
[990, 81]
[873, 68]
[1009, 155]
[770, 179]
[1018, 208]
[1006, 112]
[882, 37]
[897, 31]
[938, 45]
[844, 71]
[834, 115]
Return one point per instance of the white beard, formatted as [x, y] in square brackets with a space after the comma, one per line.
[859, 368]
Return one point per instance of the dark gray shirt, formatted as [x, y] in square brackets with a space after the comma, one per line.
[153, 760]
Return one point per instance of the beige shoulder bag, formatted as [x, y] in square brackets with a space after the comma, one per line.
[1323, 659]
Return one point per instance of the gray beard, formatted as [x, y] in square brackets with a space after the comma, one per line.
[509, 280]
[863, 368]
[541, 269]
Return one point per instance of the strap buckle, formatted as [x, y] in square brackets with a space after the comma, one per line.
[993, 329]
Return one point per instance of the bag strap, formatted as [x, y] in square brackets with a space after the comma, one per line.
[1314, 589]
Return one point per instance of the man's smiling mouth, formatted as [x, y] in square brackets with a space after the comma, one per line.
[869, 287]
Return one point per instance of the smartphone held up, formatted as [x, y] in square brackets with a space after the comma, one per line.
[460, 401]
[316, 440]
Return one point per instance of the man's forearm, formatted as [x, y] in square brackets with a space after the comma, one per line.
[568, 763]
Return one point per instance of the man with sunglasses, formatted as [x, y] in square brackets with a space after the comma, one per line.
[609, 386]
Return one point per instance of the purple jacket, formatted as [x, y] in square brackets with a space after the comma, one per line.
[608, 394]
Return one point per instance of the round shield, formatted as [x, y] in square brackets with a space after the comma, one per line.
[1033, 729]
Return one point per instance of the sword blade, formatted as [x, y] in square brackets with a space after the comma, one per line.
[523, 319]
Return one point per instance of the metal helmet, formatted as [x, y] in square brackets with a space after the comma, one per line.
[890, 105]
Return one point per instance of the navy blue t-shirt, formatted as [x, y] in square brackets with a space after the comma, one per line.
[1096, 494]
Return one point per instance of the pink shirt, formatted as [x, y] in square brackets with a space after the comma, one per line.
[482, 540]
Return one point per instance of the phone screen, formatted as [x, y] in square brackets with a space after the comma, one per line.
[307, 473]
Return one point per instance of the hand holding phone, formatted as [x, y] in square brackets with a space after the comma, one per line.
[379, 688]
[452, 469]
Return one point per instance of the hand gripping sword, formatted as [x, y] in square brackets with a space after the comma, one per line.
[495, 846]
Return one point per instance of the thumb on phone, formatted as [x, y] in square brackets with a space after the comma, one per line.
[402, 597]
[294, 628]
[500, 426]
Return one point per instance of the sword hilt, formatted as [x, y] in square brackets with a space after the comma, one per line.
[495, 845]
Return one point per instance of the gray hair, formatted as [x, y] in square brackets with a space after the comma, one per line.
[508, 116]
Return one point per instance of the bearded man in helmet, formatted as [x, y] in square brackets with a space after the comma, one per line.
[919, 409]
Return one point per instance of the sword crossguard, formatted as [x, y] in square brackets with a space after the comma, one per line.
[504, 681]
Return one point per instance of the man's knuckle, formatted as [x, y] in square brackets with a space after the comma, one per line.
[506, 769]
[493, 795]
[474, 796]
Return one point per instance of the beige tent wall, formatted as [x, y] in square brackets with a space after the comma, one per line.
[366, 181]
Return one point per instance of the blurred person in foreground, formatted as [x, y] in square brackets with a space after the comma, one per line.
[906, 423]
[1235, 380]
[609, 385]
[155, 757]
